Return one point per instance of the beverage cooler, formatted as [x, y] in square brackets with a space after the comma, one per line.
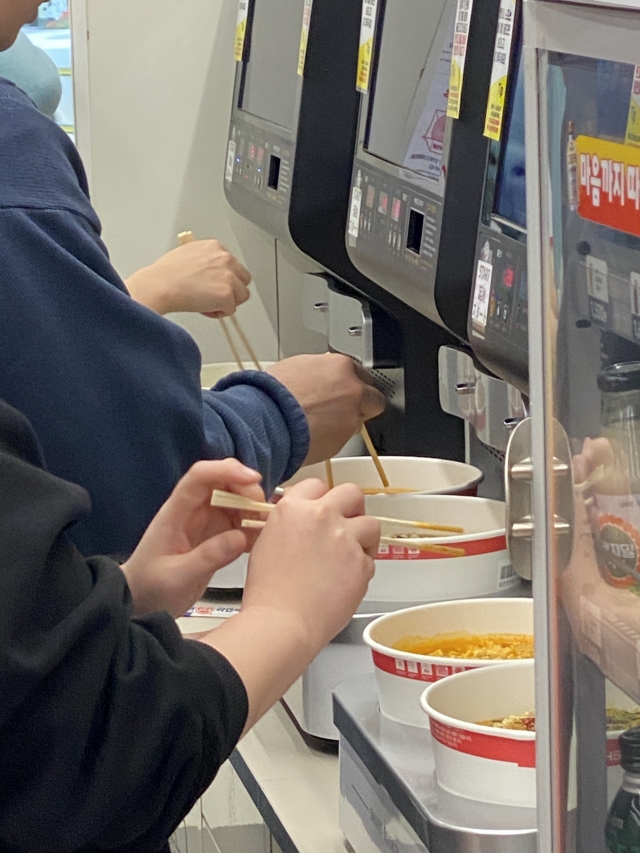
[573, 469]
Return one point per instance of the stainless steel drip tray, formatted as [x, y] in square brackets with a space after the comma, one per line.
[388, 769]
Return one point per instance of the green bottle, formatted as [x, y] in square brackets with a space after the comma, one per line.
[622, 830]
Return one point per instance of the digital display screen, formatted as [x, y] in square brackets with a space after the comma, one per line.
[396, 210]
[510, 200]
[383, 203]
[407, 116]
[271, 75]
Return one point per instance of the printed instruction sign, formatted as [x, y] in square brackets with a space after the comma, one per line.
[500, 70]
[633, 122]
[609, 186]
[365, 52]
[241, 29]
[304, 35]
[427, 144]
[459, 56]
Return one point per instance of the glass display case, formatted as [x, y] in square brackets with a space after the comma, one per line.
[582, 107]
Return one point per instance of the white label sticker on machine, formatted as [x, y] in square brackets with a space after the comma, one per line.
[459, 57]
[598, 289]
[481, 297]
[231, 159]
[354, 214]
[304, 35]
[365, 52]
[241, 29]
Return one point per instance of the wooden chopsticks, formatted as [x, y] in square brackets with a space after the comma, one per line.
[364, 432]
[187, 237]
[227, 500]
[418, 545]
[329, 472]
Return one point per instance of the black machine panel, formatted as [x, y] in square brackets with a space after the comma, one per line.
[498, 314]
[289, 164]
[293, 126]
[418, 176]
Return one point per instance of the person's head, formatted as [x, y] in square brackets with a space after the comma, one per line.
[14, 14]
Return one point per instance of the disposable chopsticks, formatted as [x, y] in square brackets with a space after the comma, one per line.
[418, 545]
[227, 500]
[328, 469]
[187, 237]
[374, 456]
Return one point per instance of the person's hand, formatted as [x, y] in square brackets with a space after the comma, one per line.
[308, 571]
[200, 276]
[189, 540]
[597, 453]
[336, 395]
[314, 559]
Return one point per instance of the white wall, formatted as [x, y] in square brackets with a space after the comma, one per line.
[160, 86]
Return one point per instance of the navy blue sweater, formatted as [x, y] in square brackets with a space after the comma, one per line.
[111, 388]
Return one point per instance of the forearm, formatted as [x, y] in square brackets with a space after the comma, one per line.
[147, 290]
[269, 649]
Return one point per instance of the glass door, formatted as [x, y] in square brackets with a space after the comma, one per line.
[582, 67]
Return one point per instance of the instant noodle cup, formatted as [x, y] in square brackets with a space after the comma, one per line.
[402, 676]
[476, 761]
[420, 474]
[406, 576]
[425, 476]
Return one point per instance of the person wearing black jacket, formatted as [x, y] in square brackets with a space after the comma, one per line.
[112, 724]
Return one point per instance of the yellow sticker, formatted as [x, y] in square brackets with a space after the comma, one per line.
[633, 122]
[459, 56]
[500, 70]
[304, 36]
[241, 29]
[365, 52]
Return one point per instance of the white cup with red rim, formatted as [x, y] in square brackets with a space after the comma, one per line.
[424, 475]
[402, 676]
[406, 576]
[476, 761]
[421, 474]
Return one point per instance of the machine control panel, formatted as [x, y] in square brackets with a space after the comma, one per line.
[260, 162]
[397, 224]
[499, 314]
[607, 275]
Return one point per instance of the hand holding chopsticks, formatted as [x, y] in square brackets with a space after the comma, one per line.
[187, 237]
[418, 545]
[232, 501]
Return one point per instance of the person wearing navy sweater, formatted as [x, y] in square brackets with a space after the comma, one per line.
[111, 387]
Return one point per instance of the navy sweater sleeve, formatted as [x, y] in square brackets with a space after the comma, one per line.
[111, 388]
[111, 726]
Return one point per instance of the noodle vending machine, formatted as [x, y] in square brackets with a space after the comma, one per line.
[573, 466]
[390, 798]
[289, 163]
[489, 388]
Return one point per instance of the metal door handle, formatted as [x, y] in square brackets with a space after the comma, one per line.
[518, 476]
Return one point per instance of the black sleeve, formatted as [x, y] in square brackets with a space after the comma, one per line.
[111, 727]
